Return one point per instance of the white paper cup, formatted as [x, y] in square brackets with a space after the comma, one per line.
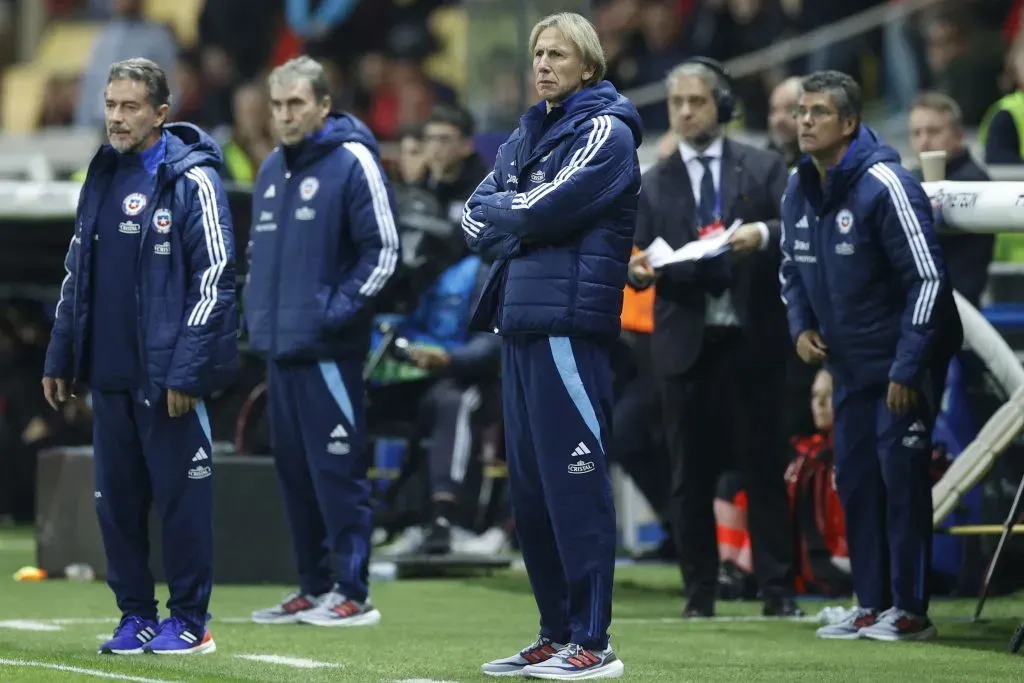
[933, 166]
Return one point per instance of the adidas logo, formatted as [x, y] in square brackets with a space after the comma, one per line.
[145, 635]
[188, 637]
[802, 223]
[200, 455]
[581, 450]
[339, 432]
[917, 427]
[269, 194]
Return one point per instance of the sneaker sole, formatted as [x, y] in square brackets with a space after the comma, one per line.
[278, 619]
[109, 651]
[204, 649]
[370, 618]
[612, 670]
[509, 673]
[845, 636]
[929, 633]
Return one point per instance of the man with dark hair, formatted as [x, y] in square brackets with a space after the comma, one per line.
[147, 319]
[867, 294]
[719, 335]
[323, 248]
[936, 124]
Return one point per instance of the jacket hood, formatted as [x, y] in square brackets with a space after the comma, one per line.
[866, 150]
[339, 128]
[189, 146]
[593, 101]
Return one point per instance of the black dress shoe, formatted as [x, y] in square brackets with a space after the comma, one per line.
[699, 607]
[782, 607]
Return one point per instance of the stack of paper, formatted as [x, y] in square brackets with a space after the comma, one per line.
[660, 254]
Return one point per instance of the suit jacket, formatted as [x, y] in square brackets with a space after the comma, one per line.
[752, 183]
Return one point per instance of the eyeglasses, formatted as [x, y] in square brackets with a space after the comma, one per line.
[817, 112]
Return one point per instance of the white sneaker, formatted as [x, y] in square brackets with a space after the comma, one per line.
[288, 610]
[850, 626]
[408, 542]
[575, 663]
[334, 609]
[540, 651]
[895, 624]
[494, 541]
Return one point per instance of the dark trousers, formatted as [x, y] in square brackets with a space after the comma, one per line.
[318, 438]
[451, 415]
[726, 412]
[557, 400]
[638, 442]
[882, 476]
[143, 456]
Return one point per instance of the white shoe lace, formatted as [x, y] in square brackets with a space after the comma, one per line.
[854, 614]
[332, 600]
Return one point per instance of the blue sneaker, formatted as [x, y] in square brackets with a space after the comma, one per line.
[130, 636]
[176, 638]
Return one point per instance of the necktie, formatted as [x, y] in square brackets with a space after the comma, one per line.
[706, 208]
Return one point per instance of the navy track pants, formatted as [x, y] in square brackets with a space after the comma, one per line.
[882, 476]
[318, 437]
[143, 456]
[557, 401]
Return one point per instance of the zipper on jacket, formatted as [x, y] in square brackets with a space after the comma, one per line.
[139, 331]
[76, 348]
[282, 222]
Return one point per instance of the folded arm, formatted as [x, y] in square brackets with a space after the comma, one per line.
[482, 237]
[600, 166]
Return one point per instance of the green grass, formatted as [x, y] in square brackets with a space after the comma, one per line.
[444, 629]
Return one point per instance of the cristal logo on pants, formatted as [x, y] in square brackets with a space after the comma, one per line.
[581, 466]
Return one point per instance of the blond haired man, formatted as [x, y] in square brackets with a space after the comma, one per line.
[556, 216]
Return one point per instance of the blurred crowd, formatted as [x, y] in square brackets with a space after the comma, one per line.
[377, 51]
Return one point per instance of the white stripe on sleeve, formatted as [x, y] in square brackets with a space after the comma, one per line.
[388, 258]
[923, 260]
[67, 276]
[216, 251]
[598, 135]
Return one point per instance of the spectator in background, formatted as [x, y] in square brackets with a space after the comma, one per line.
[965, 60]
[127, 35]
[936, 123]
[1002, 130]
[782, 122]
[661, 26]
[412, 161]
[251, 140]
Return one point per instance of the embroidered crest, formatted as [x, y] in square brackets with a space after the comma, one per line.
[162, 221]
[134, 204]
[308, 188]
[844, 221]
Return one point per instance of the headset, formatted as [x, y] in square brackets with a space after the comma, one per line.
[725, 101]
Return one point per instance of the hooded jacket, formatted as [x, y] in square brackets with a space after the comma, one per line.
[557, 216]
[185, 283]
[323, 245]
[861, 263]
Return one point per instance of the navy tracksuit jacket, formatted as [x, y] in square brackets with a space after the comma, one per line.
[861, 264]
[557, 214]
[148, 304]
[323, 246]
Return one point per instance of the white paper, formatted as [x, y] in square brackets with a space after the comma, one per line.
[660, 254]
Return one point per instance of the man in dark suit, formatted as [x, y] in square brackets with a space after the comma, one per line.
[720, 343]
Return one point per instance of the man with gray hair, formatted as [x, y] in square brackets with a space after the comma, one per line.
[323, 247]
[147, 320]
[556, 215]
[719, 343]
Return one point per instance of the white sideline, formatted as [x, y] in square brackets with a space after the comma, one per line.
[78, 670]
[28, 625]
[296, 662]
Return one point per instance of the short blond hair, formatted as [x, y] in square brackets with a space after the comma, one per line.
[581, 33]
